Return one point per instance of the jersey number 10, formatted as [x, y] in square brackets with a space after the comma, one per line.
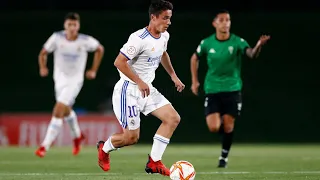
[132, 111]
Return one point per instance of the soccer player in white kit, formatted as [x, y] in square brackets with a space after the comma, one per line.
[134, 93]
[70, 57]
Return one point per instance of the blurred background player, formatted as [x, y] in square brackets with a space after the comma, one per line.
[134, 93]
[70, 56]
[223, 83]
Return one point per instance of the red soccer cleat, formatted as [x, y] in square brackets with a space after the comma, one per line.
[156, 167]
[76, 144]
[41, 151]
[103, 158]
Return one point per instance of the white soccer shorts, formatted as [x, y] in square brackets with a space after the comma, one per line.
[67, 92]
[128, 102]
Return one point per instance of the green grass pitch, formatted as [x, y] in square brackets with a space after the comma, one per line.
[246, 162]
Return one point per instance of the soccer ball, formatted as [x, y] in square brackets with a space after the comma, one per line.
[182, 170]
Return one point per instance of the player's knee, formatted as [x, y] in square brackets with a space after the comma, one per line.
[59, 110]
[67, 111]
[228, 124]
[214, 127]
[174, 119]
[213, 122]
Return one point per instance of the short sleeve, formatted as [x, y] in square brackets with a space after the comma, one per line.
[201, 49]
[51, 44]
[243, 45]
[92, 44]
[132, 47]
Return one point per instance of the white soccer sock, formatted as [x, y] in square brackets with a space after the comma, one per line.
[52, 132]
[159, 146]
[108, 146]
[72, 120]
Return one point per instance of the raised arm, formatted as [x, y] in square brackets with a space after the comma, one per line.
[254, 52]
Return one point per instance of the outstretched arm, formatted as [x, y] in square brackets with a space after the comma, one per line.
[166, 63]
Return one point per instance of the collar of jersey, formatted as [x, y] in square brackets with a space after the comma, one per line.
[151, 34]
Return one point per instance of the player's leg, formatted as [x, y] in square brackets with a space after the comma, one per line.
[78, 137]
[70, 116]
[161, 108]
[212, 107]
[170, 120]
[53, 129]
[127, 112]
[65, 97]
[114, 142]
[231, 109]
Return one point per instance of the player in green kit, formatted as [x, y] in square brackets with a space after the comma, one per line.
[223, 52]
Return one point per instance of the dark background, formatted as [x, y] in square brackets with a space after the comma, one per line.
[281, 88]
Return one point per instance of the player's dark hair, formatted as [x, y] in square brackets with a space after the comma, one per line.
[72, 16]
[157, 6]
[220, 11]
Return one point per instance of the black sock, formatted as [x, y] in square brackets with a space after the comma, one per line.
[226, 144]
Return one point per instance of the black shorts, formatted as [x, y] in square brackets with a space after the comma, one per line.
[224, 103]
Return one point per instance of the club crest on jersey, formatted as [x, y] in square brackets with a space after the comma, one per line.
[131, 50]
[152, 49]
[230, 48]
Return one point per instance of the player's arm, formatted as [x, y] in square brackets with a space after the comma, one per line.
[130, 50]
[48, 47]
[93, 45]
[166, 63]
[42, 60]
[165, 60]
[123, 66]
[254, 52]
[194, 65]
[97, 58]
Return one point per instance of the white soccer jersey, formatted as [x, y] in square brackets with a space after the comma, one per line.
[70, 57]
[144, 53]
